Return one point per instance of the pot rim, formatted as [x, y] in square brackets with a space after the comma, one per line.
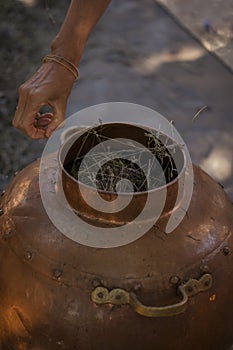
[90, 188]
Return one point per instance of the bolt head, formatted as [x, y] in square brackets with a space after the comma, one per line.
[226, 250]
[204, 268]
[28, 255]
[118, 297]
[207, 283]
[57, 273]
[137, 286]
[7, 234]
[96, 282]
[100, 295]
[190, 289]
[174, 280]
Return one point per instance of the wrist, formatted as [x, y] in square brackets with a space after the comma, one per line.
[63, 62]
[69, 49]
[80, 19]
[72, 53]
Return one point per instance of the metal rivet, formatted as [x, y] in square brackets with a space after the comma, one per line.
[190, 289]
[28, 255]
[204, 268]
[137, 286]
[7, 234]
[207, 283]
[100, 295]
[118, 296]
[57, 273]
[150, 274]
[96, 282]
[226, 250]
[174, 279]
[1, 211]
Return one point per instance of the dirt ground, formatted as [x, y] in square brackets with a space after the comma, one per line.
[25, 36]
[137, 53]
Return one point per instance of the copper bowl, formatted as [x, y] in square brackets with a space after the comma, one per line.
[85, 206]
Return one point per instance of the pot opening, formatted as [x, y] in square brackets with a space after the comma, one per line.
[123, 158]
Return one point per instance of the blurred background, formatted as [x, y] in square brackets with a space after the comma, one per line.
[140, 52]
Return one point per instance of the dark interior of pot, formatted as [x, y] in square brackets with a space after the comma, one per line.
[104, 155]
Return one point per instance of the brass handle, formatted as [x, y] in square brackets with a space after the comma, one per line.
[119, 296]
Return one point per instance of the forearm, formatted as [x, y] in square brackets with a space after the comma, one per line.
[52, 83]
[79, 22]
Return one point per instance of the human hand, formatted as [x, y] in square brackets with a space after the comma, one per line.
[50, 85]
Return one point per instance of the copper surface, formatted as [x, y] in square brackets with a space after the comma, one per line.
[72, 187]
[46, 279]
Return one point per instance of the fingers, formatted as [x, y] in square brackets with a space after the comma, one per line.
[59, 111]
[20, 108]
[42, 121]
[51, 85]
[25, 117]
[34, 124]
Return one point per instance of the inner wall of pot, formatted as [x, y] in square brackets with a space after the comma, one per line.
[81, 144]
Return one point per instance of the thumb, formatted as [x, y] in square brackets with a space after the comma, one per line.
[57, 118]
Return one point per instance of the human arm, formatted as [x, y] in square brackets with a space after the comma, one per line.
[52, 83]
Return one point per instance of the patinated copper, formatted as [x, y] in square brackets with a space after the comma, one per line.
[49, 296]
[72, 186]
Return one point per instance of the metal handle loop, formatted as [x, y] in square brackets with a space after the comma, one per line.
[119, 296]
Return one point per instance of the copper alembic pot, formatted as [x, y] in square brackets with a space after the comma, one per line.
[160, 291]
